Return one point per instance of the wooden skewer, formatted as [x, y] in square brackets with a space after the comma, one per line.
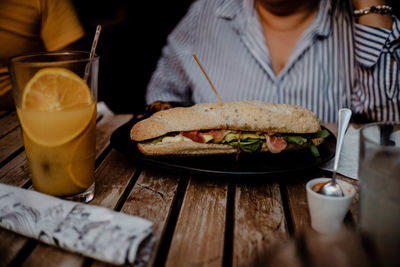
[208, 79]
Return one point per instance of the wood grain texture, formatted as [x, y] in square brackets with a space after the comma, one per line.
[16, 172]
[112, 178]
[298, 206]
[46, 256]
[10, 244]
[151, 198]
[199, 234]
[8, 123]
[259, 223]
[10, 143]
[105, 127]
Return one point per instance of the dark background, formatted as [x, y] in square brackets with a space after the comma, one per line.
[133, 34]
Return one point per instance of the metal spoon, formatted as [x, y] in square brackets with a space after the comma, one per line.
[333, 189]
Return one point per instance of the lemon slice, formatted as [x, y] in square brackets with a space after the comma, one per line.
[56, 106]
[81, 169]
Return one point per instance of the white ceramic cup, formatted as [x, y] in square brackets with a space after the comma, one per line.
[327, 213]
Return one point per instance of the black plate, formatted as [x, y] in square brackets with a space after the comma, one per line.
[248, 164]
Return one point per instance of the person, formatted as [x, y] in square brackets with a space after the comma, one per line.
[34, 26]
[313, 53]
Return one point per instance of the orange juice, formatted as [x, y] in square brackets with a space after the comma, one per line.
[55, 95]
[57, 114]
[60, 147]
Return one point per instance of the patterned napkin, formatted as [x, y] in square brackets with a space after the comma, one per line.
[92, 231]
[348, 162]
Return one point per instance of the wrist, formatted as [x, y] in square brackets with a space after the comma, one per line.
[373, 13]
[360, 4]
[378, 10]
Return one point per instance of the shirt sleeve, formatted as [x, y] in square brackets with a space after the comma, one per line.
[372, 42]
[169, 81]
[377, 85]
[60, 25]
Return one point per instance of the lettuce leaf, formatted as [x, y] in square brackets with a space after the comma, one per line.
[323, 133]
[295, 139]
[314, 151]
[249, 145]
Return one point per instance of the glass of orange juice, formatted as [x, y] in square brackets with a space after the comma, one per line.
[55, 96]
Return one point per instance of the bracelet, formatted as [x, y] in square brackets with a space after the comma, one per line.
[379, 9]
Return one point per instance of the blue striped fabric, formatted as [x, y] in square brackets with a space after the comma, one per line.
[336, 63]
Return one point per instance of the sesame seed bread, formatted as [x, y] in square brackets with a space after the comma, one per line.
[242, 115]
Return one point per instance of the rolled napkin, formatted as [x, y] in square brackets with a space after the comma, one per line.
[93, 231]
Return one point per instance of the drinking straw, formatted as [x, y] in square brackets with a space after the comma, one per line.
[92, 51]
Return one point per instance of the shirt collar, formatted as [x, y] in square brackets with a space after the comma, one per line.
[229, 9]
[322, 25]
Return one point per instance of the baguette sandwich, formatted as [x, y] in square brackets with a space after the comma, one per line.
[228, 128]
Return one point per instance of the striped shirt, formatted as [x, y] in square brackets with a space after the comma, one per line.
[336, 63]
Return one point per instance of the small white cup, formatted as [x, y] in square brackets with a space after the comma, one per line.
[327, 213]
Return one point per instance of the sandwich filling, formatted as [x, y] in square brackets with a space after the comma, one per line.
[248, 141]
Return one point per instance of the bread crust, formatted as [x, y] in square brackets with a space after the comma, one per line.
[189, 148]
[185, 148]
[241, 115]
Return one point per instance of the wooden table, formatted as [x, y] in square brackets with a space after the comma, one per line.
[198, 220]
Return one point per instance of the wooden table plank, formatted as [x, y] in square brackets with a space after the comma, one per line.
[10, 244]
[8, 123]
[16, 172]
[298, 206]
[46, 256]
[204, 210]
[152, 198]
[105, 127]
[259, 223]
[10, 144]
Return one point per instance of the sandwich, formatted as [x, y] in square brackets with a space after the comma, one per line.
[228, 128]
